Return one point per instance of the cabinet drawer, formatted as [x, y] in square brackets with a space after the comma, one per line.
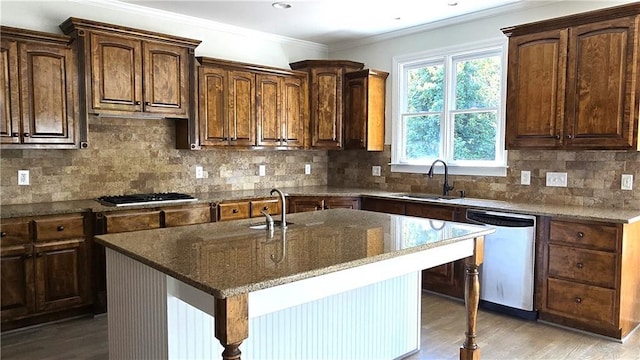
[14, 233]
[187, 216]
[583, 302]
[59, 228]
[596, 236]
[132, 221]
[272, 206]
[233, 211]
[587, 266]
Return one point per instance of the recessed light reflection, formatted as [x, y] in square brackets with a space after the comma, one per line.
[281, 5]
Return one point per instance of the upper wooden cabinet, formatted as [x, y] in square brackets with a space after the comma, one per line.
[247, 105]
[364, 110]
[38, 91]
[326, 99]
[573, 81]
[130, 72]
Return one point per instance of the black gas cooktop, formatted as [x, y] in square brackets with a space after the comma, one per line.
[145, 199]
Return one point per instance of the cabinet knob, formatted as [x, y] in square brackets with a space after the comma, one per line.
[578, 300]
[580, 234]
[569, 136]
[26, 135]
[557, 136]
[235, 211]
[39, 254]
[60, 228]
[265, 208]
[147, 103]
[28, 256]
[579, 265]
[318, 207]
[137, 102]
[15, 134]
[3, 234]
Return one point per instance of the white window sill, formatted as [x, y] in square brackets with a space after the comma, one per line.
[453, 170]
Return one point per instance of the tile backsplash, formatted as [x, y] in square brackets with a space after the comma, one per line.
[593, 177]
[138, 155]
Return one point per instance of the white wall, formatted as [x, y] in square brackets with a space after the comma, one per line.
[377, 53]
[218, 40]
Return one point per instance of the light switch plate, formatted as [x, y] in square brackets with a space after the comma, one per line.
[627, 182]
[525, 177]
[557, 179]
[375, 170]
[262, 170]
[23, 177]
[199, 172]
[307, 169]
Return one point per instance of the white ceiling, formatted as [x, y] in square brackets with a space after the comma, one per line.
[327, 21]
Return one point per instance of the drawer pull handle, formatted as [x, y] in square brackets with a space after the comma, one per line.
[265, 208]
[60, 227]
[235, 211]
[580, 234]
[578, 300]
[3, 234]
[579, 265]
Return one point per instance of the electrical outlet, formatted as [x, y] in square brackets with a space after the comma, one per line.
[525, 177]
[199, 172]
[23, 177]
[557, 179]
[262, 170]
[307, 169]
[627, 182]
[375, 170]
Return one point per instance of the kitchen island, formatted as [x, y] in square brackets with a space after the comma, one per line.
[165, 284]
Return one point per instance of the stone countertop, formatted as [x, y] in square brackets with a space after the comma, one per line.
[230, 258]
[573, 212]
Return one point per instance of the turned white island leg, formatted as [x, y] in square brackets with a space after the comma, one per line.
[469, 349]
[232, 324]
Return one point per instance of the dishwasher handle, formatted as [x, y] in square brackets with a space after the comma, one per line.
[498, 220]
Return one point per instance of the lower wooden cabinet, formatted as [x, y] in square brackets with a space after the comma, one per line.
[45, 269]
[589, 278]
[314, 203]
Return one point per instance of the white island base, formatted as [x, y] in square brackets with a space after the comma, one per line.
[370, 312]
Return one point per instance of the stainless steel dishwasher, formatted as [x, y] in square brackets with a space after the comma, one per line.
[507, 273]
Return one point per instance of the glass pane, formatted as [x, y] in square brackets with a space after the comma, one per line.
[425, 89]
[478, 83]
[475, 136]
[422, 136]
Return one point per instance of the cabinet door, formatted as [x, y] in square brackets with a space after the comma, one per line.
[213, 89]
[355, 113]
[61, 274]
[294, 111]
[342, 203]
[269, 110]
[602, 84]
[47, 91]
[116, 73]
[242, 108]
[326, 107]
[536, 90]
[166, 79]
[303, 204]
[9, 93]
[17, 286]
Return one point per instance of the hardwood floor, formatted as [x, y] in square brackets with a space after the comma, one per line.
[500, 337]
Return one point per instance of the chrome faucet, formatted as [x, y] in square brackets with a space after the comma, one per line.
[445, 186]
[268, 220]
[283, 200]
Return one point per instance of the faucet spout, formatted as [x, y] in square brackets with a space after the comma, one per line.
[283, 201]
[445, 186]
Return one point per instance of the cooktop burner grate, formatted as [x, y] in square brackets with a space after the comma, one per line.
[145, 199]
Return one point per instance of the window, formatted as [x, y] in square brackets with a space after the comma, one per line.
[449, 105]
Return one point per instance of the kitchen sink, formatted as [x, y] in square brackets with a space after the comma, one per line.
[428, 197]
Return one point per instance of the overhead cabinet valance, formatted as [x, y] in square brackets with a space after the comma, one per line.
[130, 72]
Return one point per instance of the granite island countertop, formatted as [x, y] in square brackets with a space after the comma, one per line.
[612, 215]
[229, 258]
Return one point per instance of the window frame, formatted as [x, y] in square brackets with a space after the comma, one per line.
[447, 55]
